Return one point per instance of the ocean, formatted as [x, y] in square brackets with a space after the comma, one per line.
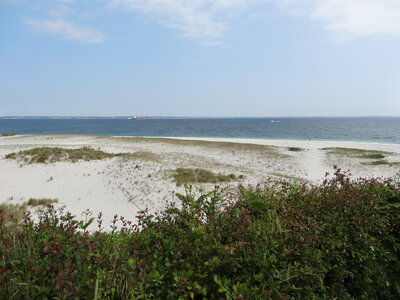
[359, 129]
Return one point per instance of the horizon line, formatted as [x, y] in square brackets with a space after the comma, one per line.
[197, 117]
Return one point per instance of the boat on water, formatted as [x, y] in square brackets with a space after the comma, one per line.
[137, 118]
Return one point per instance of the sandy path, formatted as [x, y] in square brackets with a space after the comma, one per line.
[314, 164]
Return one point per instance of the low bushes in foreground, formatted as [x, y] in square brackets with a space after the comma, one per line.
[338, 240]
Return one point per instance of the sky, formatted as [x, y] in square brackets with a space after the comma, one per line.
[224, 58]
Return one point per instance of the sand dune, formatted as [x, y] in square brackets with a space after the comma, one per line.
[122, 186]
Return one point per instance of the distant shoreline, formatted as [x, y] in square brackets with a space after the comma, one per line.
[262, 141]
[188, 117]
[257, 141]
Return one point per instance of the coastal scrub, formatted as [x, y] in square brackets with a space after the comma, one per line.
[281, 240]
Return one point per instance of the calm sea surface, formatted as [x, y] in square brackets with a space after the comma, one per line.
[378, 130]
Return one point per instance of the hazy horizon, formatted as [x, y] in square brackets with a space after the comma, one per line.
[189, 117]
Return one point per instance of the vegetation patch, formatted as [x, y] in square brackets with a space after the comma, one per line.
[43, 201]
[295, 149]
[184, 176]
[377, 156]
[373, 156]
[45, 155]
[12, 214]
[381, 162]
[8, 134]
[142, 155]
[337, 240]
[229, 146]
[357, 153]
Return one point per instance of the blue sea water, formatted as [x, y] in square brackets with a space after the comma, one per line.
[371, 129]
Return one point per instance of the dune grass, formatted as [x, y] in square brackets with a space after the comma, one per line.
[381, 162]
[43, 201]
[357, 153]
[186, 175]
[295, 149]
[229, 146]
[45, 155]
[12, 213]
[373, 156]
[376, 156]
[8, 134]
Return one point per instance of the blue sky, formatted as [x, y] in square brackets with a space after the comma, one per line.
[200, 57]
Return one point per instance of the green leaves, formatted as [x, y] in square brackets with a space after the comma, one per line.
[275, 241]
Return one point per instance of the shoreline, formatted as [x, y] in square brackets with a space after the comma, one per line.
[264, 141]
[242, 140]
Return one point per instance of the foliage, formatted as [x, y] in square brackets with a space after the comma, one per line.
[186, 175]
[338, 240]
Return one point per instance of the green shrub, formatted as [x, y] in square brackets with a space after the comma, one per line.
[338, 240]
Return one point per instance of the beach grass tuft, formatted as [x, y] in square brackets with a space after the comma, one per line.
[295, 149]
[186, 175]
[42, 201]
[373, 156]
[13, 213]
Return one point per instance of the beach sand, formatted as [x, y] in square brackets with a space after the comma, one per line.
[122, 186]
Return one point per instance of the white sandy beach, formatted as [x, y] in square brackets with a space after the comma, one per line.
[120, 186]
